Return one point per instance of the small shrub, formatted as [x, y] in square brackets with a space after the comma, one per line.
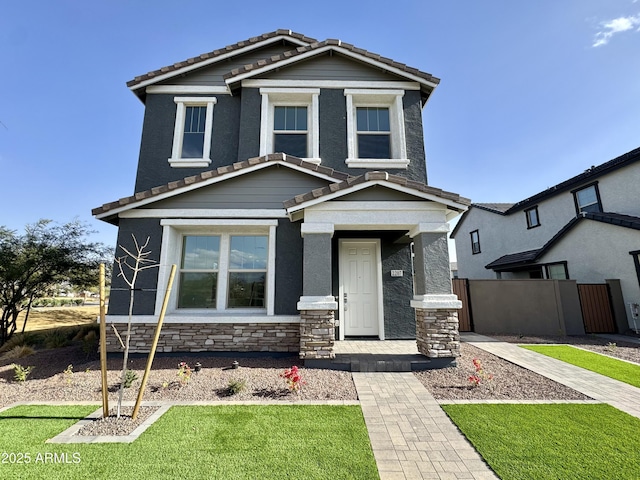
[184, 373]
[21, 373]
[90, 343]
[481, 376]
[56, 339]
[19, 340]
[236, 386]
[129, 377]
[293, 378]
[78, 301]
[68, 374]
[611, 347]
[19, 351]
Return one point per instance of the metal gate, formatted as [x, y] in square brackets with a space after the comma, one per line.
[595, 302]
[461, 289]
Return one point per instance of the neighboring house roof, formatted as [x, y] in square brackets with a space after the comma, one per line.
[308, 47]
[588, 175]
[352, 184]
[216, 55]
[493, 207]
[529, 257]
[343, 183]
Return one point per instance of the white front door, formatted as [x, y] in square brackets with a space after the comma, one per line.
[360, 288]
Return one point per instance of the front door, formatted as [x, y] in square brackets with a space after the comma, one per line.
[360, 288]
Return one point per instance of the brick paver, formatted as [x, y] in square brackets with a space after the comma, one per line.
[411, 437]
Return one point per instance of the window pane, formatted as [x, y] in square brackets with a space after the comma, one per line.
[246, 289]
[292, 143]
[194, 119]
[556, 272]
[290, 118]
[248, 252]
[586, 197]
[372, 119]
[197, 290]
[532, 217]
[374, 146]
[200, 253]
[193, 145]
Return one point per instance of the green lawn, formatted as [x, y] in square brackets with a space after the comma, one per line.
[553, 441]
[208, 442]
[610, 367]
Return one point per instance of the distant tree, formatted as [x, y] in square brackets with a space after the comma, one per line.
[32, 263]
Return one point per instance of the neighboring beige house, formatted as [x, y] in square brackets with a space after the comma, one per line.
[586, 228]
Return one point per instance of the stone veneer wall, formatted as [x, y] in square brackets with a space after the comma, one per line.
[209, 337]
[317, 334]
[437, 333]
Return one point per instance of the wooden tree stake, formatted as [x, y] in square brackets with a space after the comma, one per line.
[103, 346]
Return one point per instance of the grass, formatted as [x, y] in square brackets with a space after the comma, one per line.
[55, 317]
[204, 442]
[610, 367]
[557, 441]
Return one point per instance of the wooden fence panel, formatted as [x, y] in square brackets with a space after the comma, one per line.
[461, 289]
[596, 308]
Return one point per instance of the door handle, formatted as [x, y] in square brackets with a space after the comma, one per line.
[345, 302]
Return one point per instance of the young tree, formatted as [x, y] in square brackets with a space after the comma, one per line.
[46, 254]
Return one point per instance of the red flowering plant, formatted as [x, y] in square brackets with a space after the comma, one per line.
[293, 378]
[480, 375]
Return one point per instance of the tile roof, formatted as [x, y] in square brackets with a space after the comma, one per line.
[216, 53]
[373, 176]
[493, 207]
[221, 171]
[331, 43]
[343, 182]
[531, 256]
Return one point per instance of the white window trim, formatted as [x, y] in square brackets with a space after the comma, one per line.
[178, 133]
[291, 97]
[391, 99]
[173, 232]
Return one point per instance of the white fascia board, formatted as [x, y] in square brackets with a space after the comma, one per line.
[198, 222]
[210, 318]
[216, 59]
[312, 53]
[189, 89]
[211, 181]
[331, 84]
[362, 186]
[204, 213]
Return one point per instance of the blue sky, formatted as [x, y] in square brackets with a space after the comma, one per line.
[531, 93]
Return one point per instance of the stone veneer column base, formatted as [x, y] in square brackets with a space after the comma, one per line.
[317, 334]
[437, 333]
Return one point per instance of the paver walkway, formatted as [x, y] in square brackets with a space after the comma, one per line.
[604, 389]
[411, 436]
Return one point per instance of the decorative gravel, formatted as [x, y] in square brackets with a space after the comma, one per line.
[112, 425]
[263, 381]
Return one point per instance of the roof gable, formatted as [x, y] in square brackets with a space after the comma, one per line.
[109, 211]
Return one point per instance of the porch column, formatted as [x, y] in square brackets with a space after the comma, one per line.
[317, 305]
[437, 328]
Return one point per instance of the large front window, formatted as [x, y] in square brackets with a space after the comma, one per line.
[199, 272]
[247, 271]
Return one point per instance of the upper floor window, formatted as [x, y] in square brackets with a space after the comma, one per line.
[192, 132]
[475, 242]
[374, 132]
[587, 199]
[533, 219]
[375, 129]
[290, 133]
[289, 122]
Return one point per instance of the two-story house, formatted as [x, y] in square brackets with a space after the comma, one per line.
[585, 229]
[285, 177]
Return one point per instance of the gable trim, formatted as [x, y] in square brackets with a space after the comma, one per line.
[195, 64]
[204, 213]
[318, 49]
[188, 89]
[212, 177]
[330, 84]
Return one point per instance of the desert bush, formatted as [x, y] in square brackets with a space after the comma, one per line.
[19, 351]
[20, 339]
[129, 378]
[57, 338]
[20, 373]
[236, 386]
